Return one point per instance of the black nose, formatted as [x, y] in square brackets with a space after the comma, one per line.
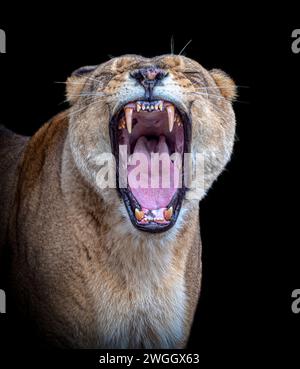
[148, 78]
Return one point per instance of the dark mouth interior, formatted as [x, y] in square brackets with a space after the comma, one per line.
[148, 128]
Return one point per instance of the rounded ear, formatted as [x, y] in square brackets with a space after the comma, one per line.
[76, 82]
[225, 83]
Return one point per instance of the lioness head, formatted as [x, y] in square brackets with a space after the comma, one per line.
[168, 105]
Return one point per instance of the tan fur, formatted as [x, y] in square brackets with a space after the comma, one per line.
[89, 278]
[225, 83]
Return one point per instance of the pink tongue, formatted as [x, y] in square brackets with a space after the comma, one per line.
[141, 175]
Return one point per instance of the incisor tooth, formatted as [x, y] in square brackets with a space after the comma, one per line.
[177, 120]
[168, 213]
[121, 124]
[160, 106]
[171, 112]
[128, 117]
[139, 214]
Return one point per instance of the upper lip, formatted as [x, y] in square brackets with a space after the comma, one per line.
[149, 106]
[178, 104]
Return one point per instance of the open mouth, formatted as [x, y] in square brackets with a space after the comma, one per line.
[155, 134]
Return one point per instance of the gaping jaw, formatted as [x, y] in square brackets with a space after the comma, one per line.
[177, 92]
[155, 183]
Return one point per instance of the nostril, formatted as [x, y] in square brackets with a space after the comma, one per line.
[138, 75]
[154, 74]
[161, 75]
[151, 73]
[148, 74]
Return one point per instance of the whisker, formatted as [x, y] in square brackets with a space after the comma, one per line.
[207, 94]
[71, 82]
[92, 94]
[93, 79]
[87, 95]
[79, 110]
[64, 102]
[172, 44]
[241, 101]
[221, 111]
[186, 45]
[75, 112]
[86, 77]
[208, 88]
[218, 87]
[219, 96]
[98, 99]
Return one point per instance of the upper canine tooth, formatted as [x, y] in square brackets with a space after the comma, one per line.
[128, 117]
[171, 112]
[138, 107]
[168, 213]
[139, 214]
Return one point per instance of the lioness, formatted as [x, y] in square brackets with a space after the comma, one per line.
[104, 267]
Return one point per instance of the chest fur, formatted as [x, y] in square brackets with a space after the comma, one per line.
[153, 318]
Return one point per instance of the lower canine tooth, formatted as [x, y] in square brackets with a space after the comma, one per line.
[128, 117]
[139, 214]
[168, 213]
[171, 113]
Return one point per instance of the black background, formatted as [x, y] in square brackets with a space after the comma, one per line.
[250, 264]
